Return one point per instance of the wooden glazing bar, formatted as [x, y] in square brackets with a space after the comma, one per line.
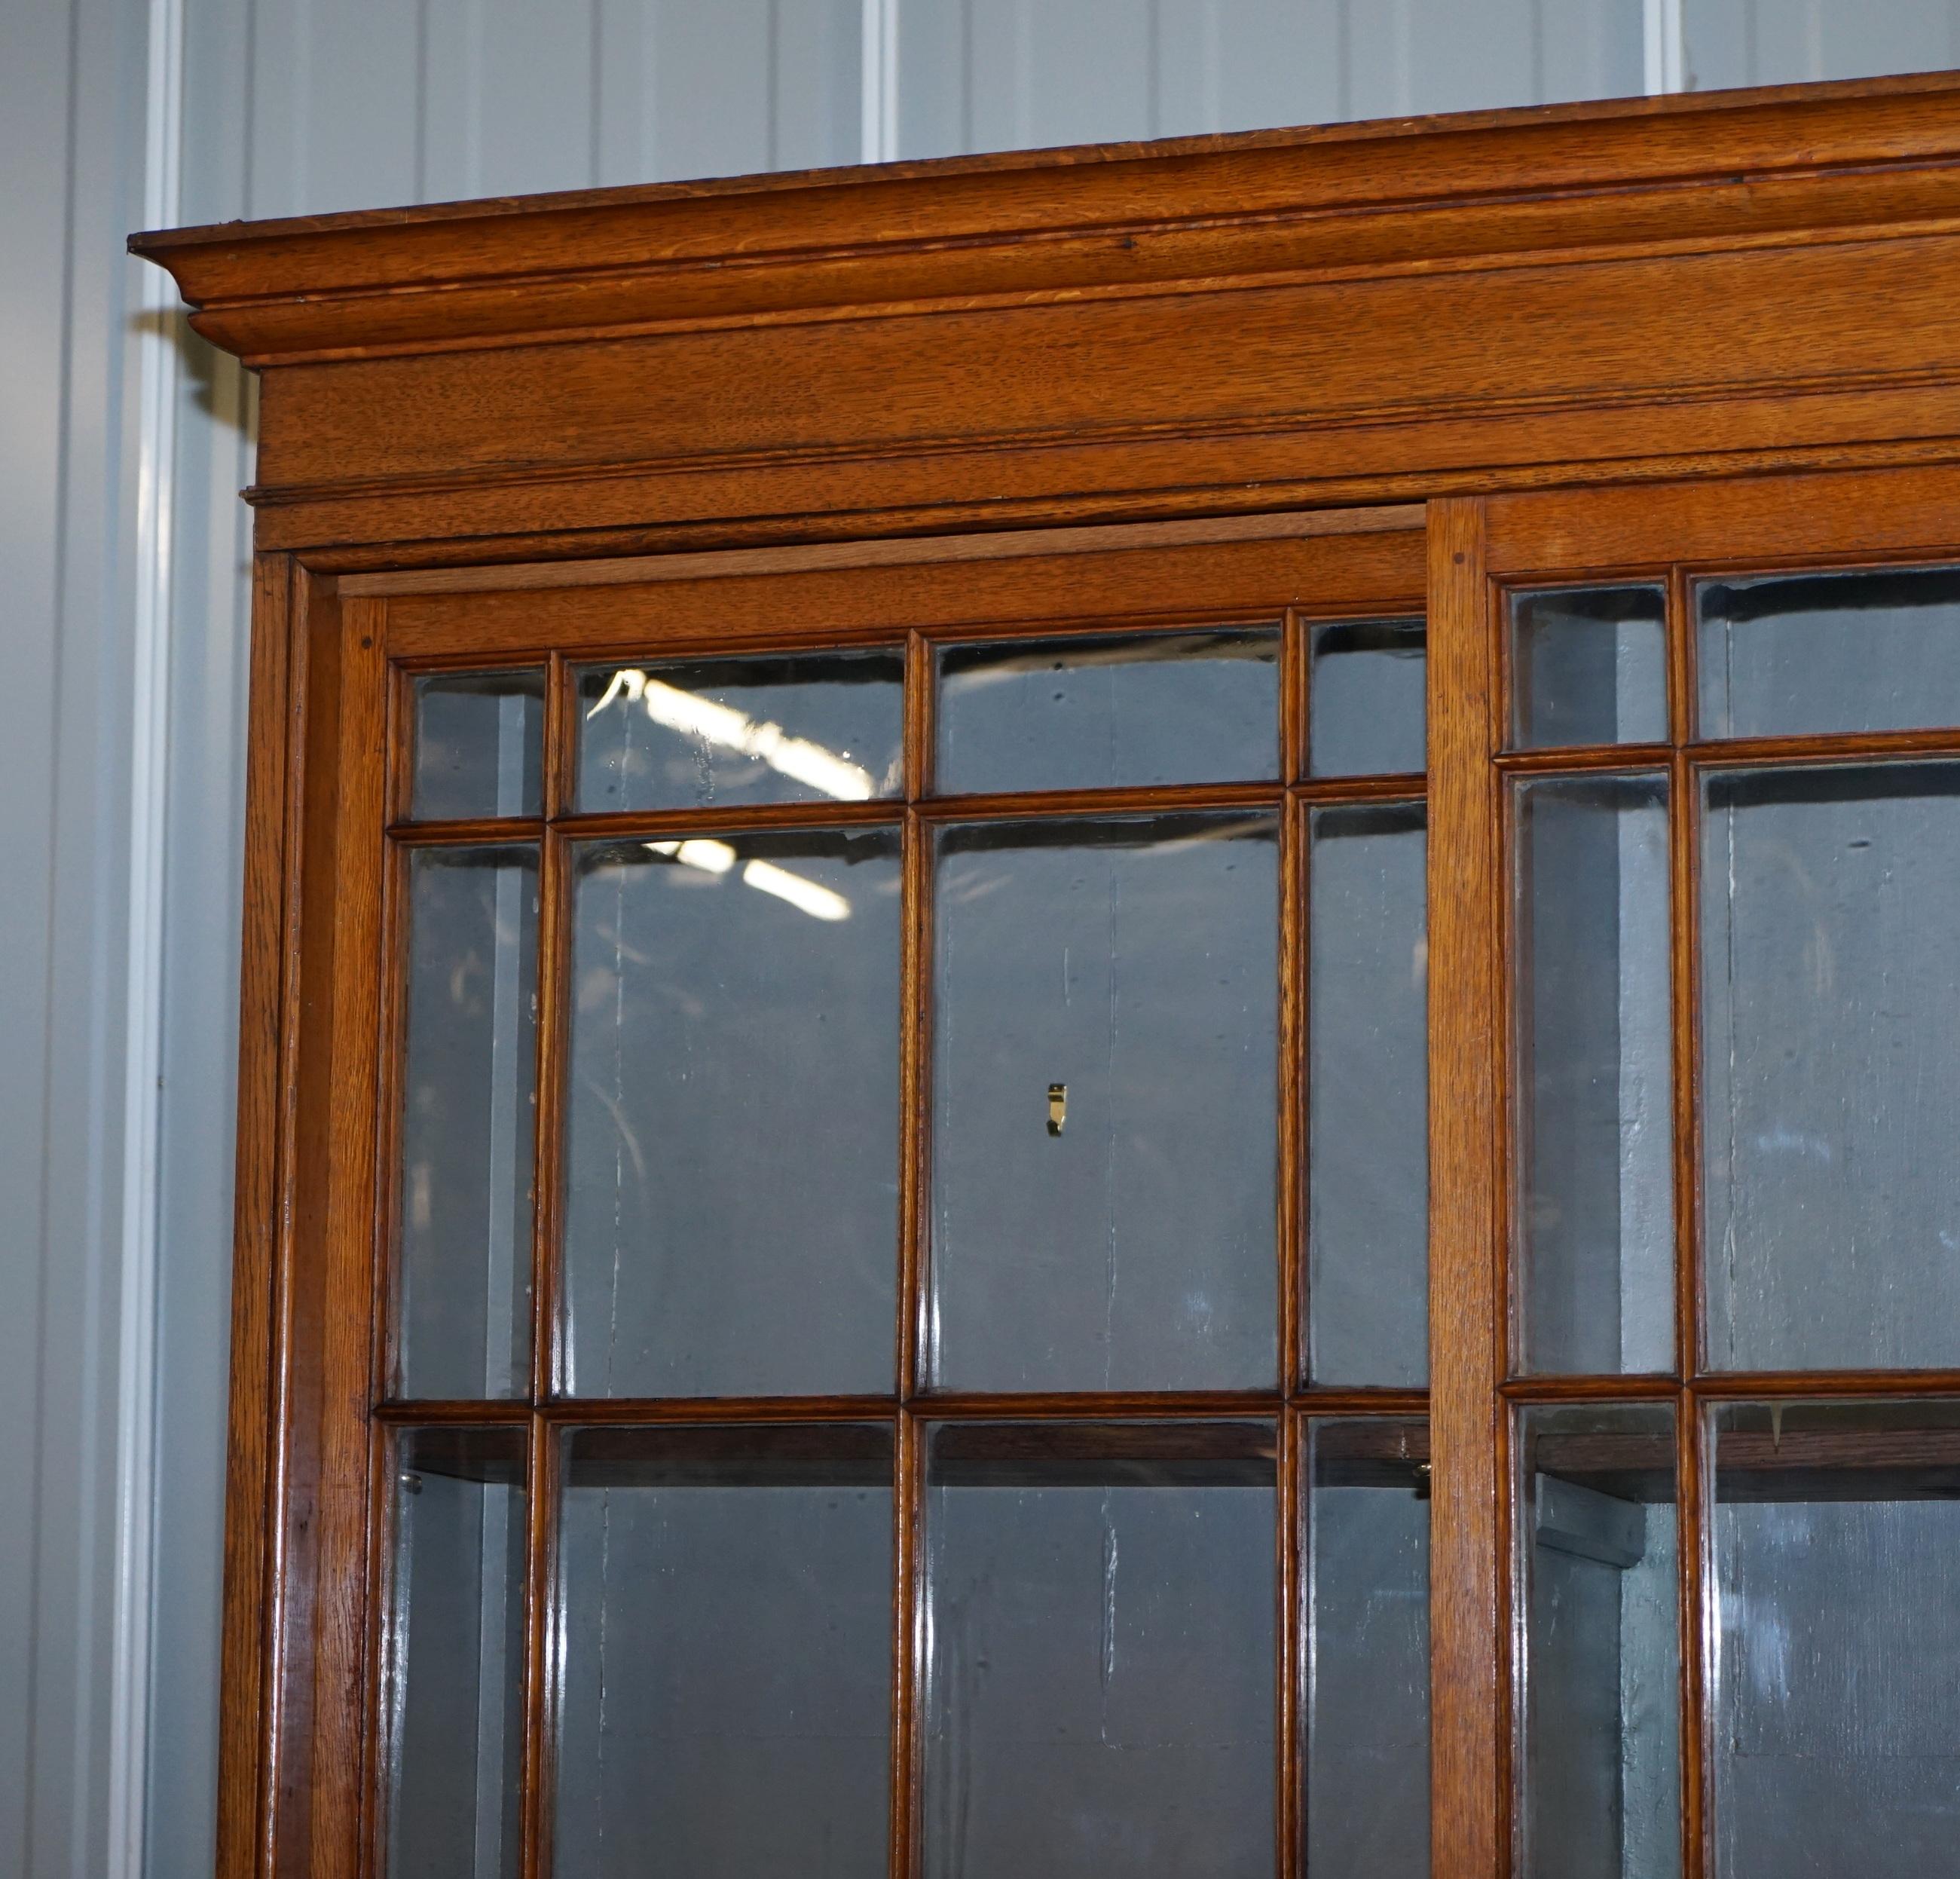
[1583, 756]
[1693, 1538]
[571, 1411]
[541, 1674]
[1288, 1795]
[1092, 1405]
[732, 818]
[487, 831]
[906, 1856]
[1743, 1386]
[1292, 1096]
[1860, 746]
[1040, 805]
[495, 1413]
[1611, 1388]
[1403, 786]
[548, 1367]
[1694, 1546]
[1465, 1321]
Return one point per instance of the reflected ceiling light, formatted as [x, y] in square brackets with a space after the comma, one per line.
[711, 857]
[818, 901]
[823, 770]
[718, 858]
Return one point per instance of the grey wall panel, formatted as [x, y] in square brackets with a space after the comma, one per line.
[987, 74]
[70, 131]
[1780, 41]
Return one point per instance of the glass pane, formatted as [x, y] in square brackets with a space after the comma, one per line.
[696, 734]
[731, 1195]
[1100, 1692]
[1595, 1133]
[1792, 654]
[1118, 1233]
[1366, 699]
[1601, 1709]
[479, 745]
[469, 1123]
[1589, 665]
[1830, 1057]
[454, 1655]
[1368, 1097]
[726, 1640]
[1109, 711]
[1367, 1603]
[1837, 1740]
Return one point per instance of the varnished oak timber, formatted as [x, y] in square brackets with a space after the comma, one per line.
[1465, 1315]
[1371, 371]
[1323, 311]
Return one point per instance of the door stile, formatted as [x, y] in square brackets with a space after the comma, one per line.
[1466, 1319]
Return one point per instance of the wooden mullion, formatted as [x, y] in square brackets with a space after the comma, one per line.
[1469, 1753]
[1289, 1811]
[475, 831]
[1583, 756]
[735, 818]
[1292, 1096]
[548, 1362]
[1395, 787]
[541, 1676]
[1684, 975]
[1065, 804]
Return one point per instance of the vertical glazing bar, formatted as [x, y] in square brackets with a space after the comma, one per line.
[547, 1354]
[1684, 897]
[1468, 1760]
[1293, 1174]
[540, 1654]
[1288, 1811]
[907, 1590]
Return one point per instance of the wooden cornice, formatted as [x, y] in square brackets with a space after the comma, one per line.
[1728, 170]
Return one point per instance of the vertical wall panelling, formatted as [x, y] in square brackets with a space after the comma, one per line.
[878, 81]
[71, 112]
[1781, 42]
[1666, 47]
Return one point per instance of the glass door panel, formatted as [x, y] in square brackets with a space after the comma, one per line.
[1836, 1547]
[1830, 1057]
[724, 1656]
[1594, 1068]
[1105, 1093]
[454, 1655]
[1367, 1287]
[731, 1201]
[1367, 1800]
[1598, 1557]
[1101, 1670]
[468, 1129]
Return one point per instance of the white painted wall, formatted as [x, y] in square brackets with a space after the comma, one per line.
[288, 106]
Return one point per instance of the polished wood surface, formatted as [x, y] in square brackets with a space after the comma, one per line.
[1290, 376]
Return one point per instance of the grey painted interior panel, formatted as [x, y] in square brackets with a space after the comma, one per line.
[1367, 1720]
[1595, 1045]
[1832, 1195]
[1100, 1694]
[727, 1679]
[1368, 1097]
[1133, 961]
[732, 997]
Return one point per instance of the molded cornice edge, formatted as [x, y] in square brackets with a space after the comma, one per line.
[1784, 167]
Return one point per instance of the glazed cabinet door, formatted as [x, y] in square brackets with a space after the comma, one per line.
[1703, 755]
[872, 1304]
